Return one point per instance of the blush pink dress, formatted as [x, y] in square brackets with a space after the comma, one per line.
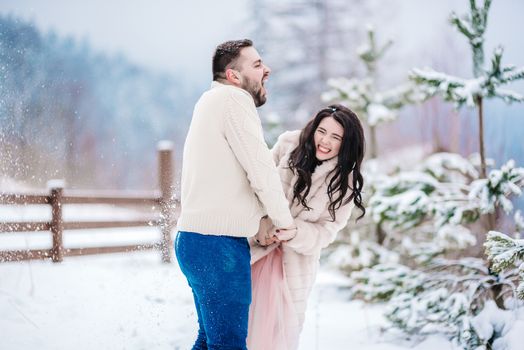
[273, 323]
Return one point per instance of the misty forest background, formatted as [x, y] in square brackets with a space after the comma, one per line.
[69, 111]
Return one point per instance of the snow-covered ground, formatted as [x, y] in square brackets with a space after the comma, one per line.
[133, 301]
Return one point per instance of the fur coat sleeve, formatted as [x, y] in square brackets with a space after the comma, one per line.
[315, 228]
[312, 236]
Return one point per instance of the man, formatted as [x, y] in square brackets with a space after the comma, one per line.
[229, 182]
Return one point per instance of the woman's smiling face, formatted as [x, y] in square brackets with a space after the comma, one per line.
[328, 138]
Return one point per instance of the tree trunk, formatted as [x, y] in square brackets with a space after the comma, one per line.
[483, 172]
[373, 142]
[481, 138]
[380, 234]
[496, 289]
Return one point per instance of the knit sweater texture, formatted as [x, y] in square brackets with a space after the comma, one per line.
[229, 179]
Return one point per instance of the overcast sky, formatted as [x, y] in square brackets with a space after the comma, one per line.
[179, 36]
[165, 34]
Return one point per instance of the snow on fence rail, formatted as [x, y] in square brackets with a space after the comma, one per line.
[57, 198]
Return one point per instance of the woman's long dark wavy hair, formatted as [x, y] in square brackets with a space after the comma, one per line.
[303, 161]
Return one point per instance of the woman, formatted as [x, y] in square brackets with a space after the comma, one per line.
[320, 171]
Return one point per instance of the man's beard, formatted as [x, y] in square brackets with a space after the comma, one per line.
[255, 89]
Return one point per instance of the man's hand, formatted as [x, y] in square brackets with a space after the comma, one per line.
[263, 236]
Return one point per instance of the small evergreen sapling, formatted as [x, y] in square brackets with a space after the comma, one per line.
[486, 83]
[373, 105]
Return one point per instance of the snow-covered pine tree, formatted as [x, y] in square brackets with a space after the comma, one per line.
[373, 105]
[412, 206]
[430, 213]
[487, 82]
[427, 213]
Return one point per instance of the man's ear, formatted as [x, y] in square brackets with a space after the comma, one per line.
[233, 76]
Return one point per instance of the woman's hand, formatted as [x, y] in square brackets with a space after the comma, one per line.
[266, 240]
[283, 234]
[268, 234]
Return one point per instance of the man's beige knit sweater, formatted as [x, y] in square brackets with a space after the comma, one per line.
[229, 179]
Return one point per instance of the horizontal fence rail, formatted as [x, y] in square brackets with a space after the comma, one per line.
[25, 199]
[161, 201]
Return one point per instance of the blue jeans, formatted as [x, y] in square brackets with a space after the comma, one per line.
[218, 271]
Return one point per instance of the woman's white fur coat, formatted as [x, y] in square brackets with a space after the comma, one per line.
[315, 228]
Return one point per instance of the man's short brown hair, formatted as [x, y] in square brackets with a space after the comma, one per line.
[227, 53]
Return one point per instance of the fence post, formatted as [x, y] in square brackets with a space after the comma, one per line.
[57, 226]
[165, 162]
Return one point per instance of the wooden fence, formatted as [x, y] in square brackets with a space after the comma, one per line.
[57, 197]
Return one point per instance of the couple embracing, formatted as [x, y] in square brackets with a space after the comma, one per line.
[253, 220]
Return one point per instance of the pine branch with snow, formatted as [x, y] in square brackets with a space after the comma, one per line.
[434, 311]
[426, 213]
[370, 53]
[506, 253]
[363, 96]
[354, 250]
[473, 26]
[503, 250]
[486, 83]
[442, 298]
[374, 107]
[403, 200]
[409, 199]
[467, 91]
[452, 298]
[498, 75]
[438, 83]
[495, 190]
[445, 193]
[449, 167]
[383, 281]
[354, 93]
[431, 208]
[520, 288]
[402, 95]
